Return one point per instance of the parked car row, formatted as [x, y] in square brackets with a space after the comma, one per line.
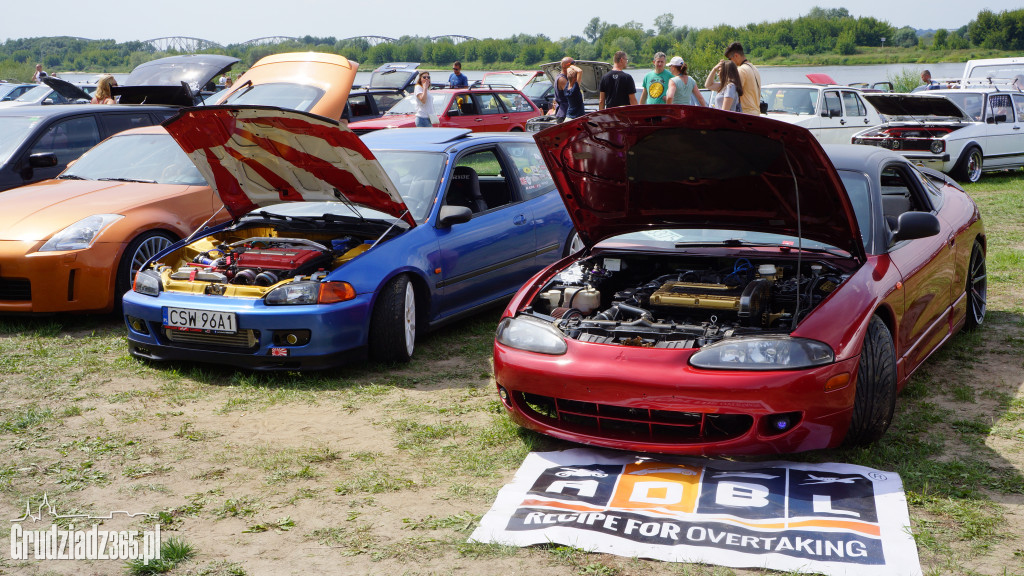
[767, 294]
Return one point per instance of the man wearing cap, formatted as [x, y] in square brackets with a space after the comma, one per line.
[561, 104]
[656, 82]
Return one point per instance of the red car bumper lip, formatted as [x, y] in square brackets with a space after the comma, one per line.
[652, 400]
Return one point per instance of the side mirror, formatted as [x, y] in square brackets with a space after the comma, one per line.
[42, 160]
[913, 225]
[451, 215]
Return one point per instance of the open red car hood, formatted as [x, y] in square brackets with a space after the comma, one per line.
[258, 156]
[634, 168]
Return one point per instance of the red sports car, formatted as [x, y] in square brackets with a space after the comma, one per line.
[741, 289]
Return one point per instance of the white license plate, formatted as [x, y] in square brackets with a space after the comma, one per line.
[200, 320]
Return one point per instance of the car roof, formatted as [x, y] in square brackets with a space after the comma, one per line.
[859, 158]
[72, 109]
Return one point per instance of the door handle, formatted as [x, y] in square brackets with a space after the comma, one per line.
[866, 121]
[479, 119]
[519, 219]
[843, 122]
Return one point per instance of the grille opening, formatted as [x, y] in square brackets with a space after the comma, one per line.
[15, 289]
[241, 340]
[630, 423]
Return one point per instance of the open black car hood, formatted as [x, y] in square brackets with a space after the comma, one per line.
[65, 88]
[196, 70]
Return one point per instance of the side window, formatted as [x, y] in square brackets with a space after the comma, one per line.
[115, 123]
[858, 190]
[358, 106]
[853, 104]
[530, 170]
[479, 183]
[462, 105]
[1018, 106]
[999, 105]
[69, 138]
[488, 104]
[832, 105]
[899, 193]
[386, 101]
[515, 102]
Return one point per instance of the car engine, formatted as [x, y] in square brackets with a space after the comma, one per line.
[263, 261]
[683, 303]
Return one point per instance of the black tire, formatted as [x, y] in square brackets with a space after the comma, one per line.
[393, 322]
[140, 249]
[968, 168]
[977, 288]
[875, 399]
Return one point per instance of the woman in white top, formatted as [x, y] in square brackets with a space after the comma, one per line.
[729, 86]
[424, 100]
[682, 89]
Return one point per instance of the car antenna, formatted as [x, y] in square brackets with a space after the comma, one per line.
[348, 203]
[393, 224]
[799, 236]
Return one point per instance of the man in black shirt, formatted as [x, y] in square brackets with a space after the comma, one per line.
[617, 86]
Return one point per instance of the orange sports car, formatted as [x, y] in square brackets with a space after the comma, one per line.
[74, 243]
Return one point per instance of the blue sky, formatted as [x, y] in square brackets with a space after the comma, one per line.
[235, 21]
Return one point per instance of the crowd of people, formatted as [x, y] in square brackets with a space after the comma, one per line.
[735, 80]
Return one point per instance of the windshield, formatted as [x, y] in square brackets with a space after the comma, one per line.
[996, 73]
[35, 94]
[392, 78]
[155, 158]
[513, 79]
[416, 175]
[408, 104]
[790, 100]
[13, 131]
[301, 97]
[537, 89]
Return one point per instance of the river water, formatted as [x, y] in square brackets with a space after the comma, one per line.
[769, 74]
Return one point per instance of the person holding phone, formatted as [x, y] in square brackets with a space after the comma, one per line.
[424, 100]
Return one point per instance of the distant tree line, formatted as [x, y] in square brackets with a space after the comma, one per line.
[820, 31]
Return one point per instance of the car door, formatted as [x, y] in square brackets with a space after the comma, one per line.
[834, 127]
[67, 138]
[926, 265]
[1001, 132]
[492, 116]
[551, 223]
[858, 114]
[493, 254]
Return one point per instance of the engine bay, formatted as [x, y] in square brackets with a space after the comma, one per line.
[682, 302]
[248, 261]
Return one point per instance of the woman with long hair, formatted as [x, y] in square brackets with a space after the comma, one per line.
[682, 89]
[728, 86]
[102, 94]
[424, 100]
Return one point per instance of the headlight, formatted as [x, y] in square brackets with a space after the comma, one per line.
[763, 353]
[938, 146]
[307, 292]
[532, 335]
[147, 282]
[81, 234]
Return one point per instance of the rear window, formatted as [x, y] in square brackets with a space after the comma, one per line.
[301, 97]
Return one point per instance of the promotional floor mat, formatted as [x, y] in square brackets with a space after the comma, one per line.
[833, 519]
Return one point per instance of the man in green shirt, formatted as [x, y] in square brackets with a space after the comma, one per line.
[656, 82]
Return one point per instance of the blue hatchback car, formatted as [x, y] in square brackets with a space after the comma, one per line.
[341, 246]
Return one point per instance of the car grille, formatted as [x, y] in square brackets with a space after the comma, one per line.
[634, 424]
[246, 339]
[18, 289]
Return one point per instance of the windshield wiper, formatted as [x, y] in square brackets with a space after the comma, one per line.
[127, 180]
[69, 177]
[736, 242]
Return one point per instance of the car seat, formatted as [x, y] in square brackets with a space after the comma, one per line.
[806, 106]
[465, 190]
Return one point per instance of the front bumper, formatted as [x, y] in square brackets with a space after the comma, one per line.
[652, 400]
[337, 332]
[52, 282]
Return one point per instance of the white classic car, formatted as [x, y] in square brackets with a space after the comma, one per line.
[962, 131]
[833, 113]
